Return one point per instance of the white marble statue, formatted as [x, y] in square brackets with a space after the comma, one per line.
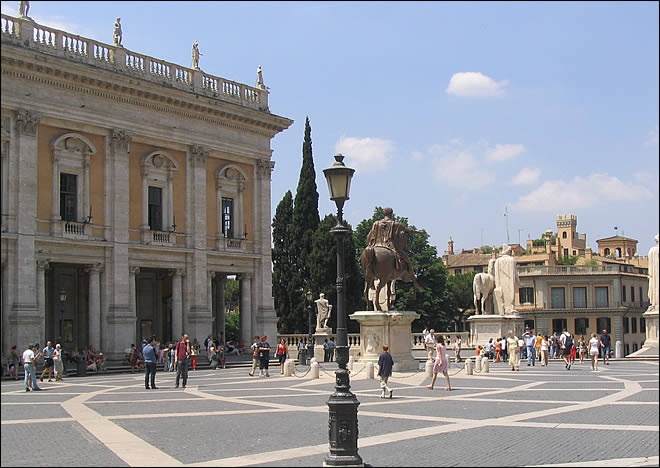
[653, 276]
[117, 35]
[323, 311]
[382, 300]
[482, 287]
[23, 8]
[195, 55]
[260, 78]
[506, 282]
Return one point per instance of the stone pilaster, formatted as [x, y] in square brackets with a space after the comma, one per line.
[221, 279]
[177, 304]
[94, 321]
[42, 266]
[246, 310]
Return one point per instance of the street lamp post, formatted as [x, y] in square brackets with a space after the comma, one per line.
[342, 404]
[310, 330]
[62, 301]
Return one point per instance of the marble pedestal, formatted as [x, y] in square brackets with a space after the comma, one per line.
[651, 317]
[485, 327]
[388, 327]
[320, 336]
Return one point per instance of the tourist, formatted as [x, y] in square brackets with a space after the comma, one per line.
[457, 349]
[429, 344]
[605, 347]
[282, 350]
[385, 364]
[498, 351]
[220, 354]
[29, 366]
[573, 350]
[48, 361]
[58, 362]
[440, 364]
[490, 348]
[14, 362]
[503, 345]
[530, 343]
[514, 351]
[207, 342]
[264, 357]
[325, 350]
[133, 358]
[555, 345]
[194, 351]
[539, 340]
[181, 355]
[211, 352]
[545, 350]
[478, 350]
[566, 343]
[150, 364]
[255, 355]
[331, 349]
[582, 348]
[594, 350]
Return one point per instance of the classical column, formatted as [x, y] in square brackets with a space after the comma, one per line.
[177, 304]
[42, 266]
[211, 276]
[221, 279]
[95, 304]
[86, 201]
[132, 296]
[55, 191]
[246, 309]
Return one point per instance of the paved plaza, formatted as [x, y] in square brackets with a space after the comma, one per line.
[538, 416]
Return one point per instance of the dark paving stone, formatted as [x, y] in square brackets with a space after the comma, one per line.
[613, 414]
[13, 412]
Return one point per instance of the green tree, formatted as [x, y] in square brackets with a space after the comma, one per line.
[232, 294]
[232, 326]
[486, 249]
[432, 301]
[460, 294]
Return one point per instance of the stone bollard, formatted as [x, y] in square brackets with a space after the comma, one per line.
[477, 364]
[468, 366]
[314, 372]
[618, 350]
[287, 367]
[428, 369]
[351, 361]
[370, 370]
[484, 365]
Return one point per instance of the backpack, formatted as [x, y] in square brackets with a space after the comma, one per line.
[569, 342]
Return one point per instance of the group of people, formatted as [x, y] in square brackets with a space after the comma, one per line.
[329, 350]
[535, 347]
[180, 355]
[431, 341]
[261, 355]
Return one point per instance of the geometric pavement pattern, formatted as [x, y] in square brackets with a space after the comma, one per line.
[536, 417]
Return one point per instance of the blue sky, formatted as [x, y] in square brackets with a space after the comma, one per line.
[450, 112]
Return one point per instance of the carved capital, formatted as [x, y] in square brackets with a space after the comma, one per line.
[43, 264]
[245, 276]
[265, 168]
[134, 270]
[210, 274]
[198, 155]
[178, 272]
[120, 139]
[26, 122]
[96, 267]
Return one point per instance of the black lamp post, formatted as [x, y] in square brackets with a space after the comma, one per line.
[342, 404]
[62, 301]
[310, 330]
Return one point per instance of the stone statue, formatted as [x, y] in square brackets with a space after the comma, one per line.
[383, 301]
[386, 257]
[260, 78]
[323, 309]
[506, 282]
[117, 35]
[195, 55]
[653, 276]
[482, 287]
[23, 9]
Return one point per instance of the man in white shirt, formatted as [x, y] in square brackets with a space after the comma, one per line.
[30, 369]
[566, 343]
[429, 343]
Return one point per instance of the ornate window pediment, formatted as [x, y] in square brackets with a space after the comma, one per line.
[158, 168]
[230, 184]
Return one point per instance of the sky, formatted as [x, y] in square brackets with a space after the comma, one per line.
[452, 113]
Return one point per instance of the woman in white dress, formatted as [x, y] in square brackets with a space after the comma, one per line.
[594, 351]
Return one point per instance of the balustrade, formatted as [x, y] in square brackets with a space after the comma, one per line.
[9, 27]
[74, 230]
[182, 75]
[45, 36]
[74, 44]
[231, 89]
[210, 83]
[134, 62]
[101, 53]
[159, 68]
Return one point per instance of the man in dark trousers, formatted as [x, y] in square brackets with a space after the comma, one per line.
[150, 362]
[181, 353]
[385, 364]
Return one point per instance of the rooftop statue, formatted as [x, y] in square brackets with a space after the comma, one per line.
[653, 276]
[260, 78]
[195, 55]
[23, 9]
[117, 35]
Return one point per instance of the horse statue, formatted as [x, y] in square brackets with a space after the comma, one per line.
[482, 287]
[386, 259]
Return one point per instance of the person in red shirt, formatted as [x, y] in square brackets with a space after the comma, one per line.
[181, 355]
[282, 351]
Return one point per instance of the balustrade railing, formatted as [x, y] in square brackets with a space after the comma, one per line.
[30, 34]
[72, 229]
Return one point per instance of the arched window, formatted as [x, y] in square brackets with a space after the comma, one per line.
[157, 194]
[230, 184]
[618, 252]
[564, 235]
[607, 252]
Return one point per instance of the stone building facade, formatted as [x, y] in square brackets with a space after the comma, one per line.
[132, 187]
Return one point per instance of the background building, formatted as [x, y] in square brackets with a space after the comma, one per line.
[131, 188]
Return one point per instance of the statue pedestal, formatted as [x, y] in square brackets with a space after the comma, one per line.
[485, 327]
[651, 317]
[320, 336]
[389, 327]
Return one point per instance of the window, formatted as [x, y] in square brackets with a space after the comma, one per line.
[565, 252]
[607, 252]
[635, 347]
[574, 253]
[642, 325]
[557, 298]
[632, 293]
[602, 296]
[564, 235]
[581, 326]
[623, 294]
[155, 208]
[603, 323]
[558, 325]
[529, 324]
[627, 349]
[640, 294]
[626, 328]
[633, 323]
[228, 217]
[580, 298]
[479, 268]
[526, 295]
[68, 196]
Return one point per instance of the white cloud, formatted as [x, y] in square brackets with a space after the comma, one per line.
[368, 154]
[461, 169]
[581, 193]
[504, 152]
[56, 22]
[527, 176]
[473, 84]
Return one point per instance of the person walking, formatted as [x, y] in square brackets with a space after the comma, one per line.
[566, 343]
[29, 366]
[582, 348]
[150, 364]
[573, 350]
[220, 353]
[385, 364]
[539, 340]
[594, 350]
[48, 361]
[530, 342]
[605, 347]
[331, 349]
[514, 351]
[15, 362]
[457, 349]
[429, 343]
[255, 355]
[194, 352]
[58, 362]
[264, 356]
[498, 351]
[282, 350]
[181, 355]
[326, 350]
[503, 345]
[440, 365]
[545, 350]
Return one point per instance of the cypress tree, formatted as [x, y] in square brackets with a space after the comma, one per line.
[286, 277]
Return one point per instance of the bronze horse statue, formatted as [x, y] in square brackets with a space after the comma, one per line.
[381, 263]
